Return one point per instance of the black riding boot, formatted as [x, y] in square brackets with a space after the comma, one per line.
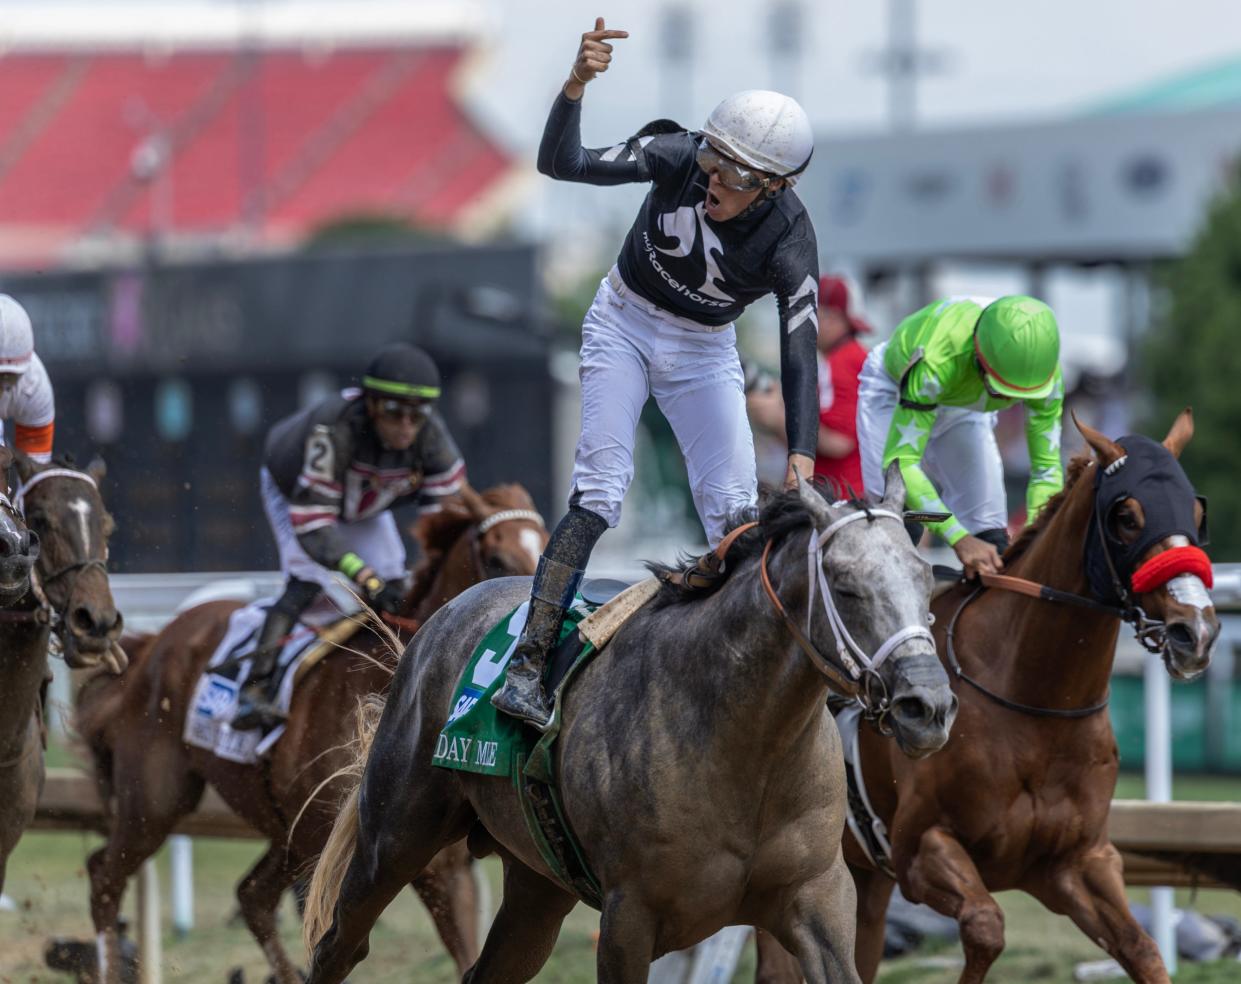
[256, 707]
[555, 583]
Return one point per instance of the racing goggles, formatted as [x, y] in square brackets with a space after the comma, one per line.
[403, 410]
[733, 175]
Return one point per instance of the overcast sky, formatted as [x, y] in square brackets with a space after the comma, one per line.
[1002, 62]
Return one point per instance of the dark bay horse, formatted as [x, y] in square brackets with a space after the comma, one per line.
[698, 765]
[1019, 797]
[52, 579]
[133, 726]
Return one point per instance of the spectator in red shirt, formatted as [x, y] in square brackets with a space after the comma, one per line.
[840, 361]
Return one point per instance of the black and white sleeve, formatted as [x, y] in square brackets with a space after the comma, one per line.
[795, 279]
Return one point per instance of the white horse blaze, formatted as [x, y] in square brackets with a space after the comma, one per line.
[532, 543]
[1188, 589]
[82, 508]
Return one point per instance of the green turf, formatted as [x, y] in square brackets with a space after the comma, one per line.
[47, 879]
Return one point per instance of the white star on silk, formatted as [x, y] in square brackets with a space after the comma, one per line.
[931, 388]
[911, 434]
[1043, 475]
[1052, 437]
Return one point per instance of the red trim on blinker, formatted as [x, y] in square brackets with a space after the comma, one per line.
[1163, 567]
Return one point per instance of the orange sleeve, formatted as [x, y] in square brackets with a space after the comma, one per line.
[35, 441]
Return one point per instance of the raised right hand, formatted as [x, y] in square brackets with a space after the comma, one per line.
[593, 57]
[978, 557]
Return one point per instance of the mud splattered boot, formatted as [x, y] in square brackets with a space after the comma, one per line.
[555, 583]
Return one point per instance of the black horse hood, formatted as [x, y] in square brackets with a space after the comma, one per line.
[1150, 474]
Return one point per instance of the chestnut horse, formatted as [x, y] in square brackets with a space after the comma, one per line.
[53, 579]
[133, 726]
[1019, 797]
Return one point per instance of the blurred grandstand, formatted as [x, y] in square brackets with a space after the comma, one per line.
[241, 126]
[161, 166]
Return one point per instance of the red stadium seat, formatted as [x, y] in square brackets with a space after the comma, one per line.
[287, 139]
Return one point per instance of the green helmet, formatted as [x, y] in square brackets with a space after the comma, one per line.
[1017, 343]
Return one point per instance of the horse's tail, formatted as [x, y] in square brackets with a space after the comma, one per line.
[338, 852]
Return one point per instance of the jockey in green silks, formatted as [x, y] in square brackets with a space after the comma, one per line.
[928, 399]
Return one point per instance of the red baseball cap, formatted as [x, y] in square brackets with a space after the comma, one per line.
[834, 296]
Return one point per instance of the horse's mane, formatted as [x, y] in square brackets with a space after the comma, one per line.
[779, 514]
[1077, 467]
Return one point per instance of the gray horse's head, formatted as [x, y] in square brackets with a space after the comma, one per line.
[881, 586]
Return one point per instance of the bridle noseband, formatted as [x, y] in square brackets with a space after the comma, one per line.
[853, 672]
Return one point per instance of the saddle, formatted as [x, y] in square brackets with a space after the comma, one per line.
[213, 704]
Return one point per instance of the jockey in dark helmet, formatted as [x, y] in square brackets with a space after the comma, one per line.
[331, 475]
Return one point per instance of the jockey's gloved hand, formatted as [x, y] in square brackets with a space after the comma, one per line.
[381, 595]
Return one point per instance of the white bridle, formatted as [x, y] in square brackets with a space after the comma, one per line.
[509, 515]
[849, 652]
[19, 500]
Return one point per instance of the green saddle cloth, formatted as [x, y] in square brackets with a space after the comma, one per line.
[478, 738]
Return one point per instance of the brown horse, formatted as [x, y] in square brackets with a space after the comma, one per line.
[151, 778]
[1019, 797]
[68, 595]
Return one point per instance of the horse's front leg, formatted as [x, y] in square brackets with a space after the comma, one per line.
[1090, 890]
[626, 938]
[819, 925]
[943, 875]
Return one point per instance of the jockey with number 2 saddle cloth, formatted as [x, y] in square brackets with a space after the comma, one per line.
[928, 398]
[720, 227]
[25, 390]
[331, 477]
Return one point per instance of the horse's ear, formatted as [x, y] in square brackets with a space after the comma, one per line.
[1181, 432]
[815, 504]
[473, 502]
[25, 465]
[893, 488]
[1105, 448]
[97, 469]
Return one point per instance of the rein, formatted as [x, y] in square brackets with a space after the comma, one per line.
[853, 672]
[1033, 590]
[1150, 632]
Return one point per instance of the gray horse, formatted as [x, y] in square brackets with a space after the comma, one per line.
[698, 765]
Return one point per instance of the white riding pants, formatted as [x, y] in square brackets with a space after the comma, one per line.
[375, 539]
[961, 459]
[632, 349]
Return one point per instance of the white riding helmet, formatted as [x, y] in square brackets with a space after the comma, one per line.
[766, 130]
[16, 337]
